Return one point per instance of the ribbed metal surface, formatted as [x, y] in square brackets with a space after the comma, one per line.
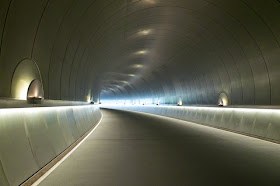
[256, 122]
[31, 137]
[194, 49]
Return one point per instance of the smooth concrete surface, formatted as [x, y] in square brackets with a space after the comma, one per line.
[259, 122]
[130, 148]
[32, 137]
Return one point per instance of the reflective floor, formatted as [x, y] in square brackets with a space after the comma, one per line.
[140, 149]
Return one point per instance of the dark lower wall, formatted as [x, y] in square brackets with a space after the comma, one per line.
[32, 137]
[258, 122]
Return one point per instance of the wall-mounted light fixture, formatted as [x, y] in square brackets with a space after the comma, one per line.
[137, 66]
[144, 32]
[124, 82]
[141, 52]
[158, 102]
[35, 93]
[180, 102]
[23, 81]
[89, 97]
[150, 1]
[223, 100]
[220, 103]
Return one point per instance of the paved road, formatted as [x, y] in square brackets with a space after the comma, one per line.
[140, 149]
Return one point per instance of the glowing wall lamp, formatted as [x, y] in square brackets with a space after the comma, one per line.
[144, 32]
[35, 92]
[141, 52]
[137, 66]
[158, 102]
[223, 100]
[150, 1]
[23, 80]
[89, 98]
[180, 102]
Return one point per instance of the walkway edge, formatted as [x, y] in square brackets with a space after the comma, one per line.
[39, 176]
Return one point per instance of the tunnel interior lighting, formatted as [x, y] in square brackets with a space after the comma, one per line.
[88, 97]
[141, 52]
[25, 73]
[22, 89]
[30, 110]
[35, 93]
[150, 1]
[138, 66]
[211, 108]
[145, 32]
[220, 103]
[223, 100]
[180, 102]
[158, 102]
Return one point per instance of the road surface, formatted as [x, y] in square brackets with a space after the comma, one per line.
[132, 149]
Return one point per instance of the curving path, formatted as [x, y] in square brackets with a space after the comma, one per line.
[130, 148]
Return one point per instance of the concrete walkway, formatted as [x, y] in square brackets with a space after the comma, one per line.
[140, 149]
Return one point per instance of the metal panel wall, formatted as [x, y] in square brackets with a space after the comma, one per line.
[32, 137]
[194, 49]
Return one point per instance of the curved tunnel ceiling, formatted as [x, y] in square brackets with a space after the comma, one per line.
[192, 50]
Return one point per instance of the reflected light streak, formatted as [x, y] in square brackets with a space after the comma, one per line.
[88, 98]
[193, 108]
[31, 110]
[22, 89]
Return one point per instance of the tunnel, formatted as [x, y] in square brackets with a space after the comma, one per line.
[139, 92]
